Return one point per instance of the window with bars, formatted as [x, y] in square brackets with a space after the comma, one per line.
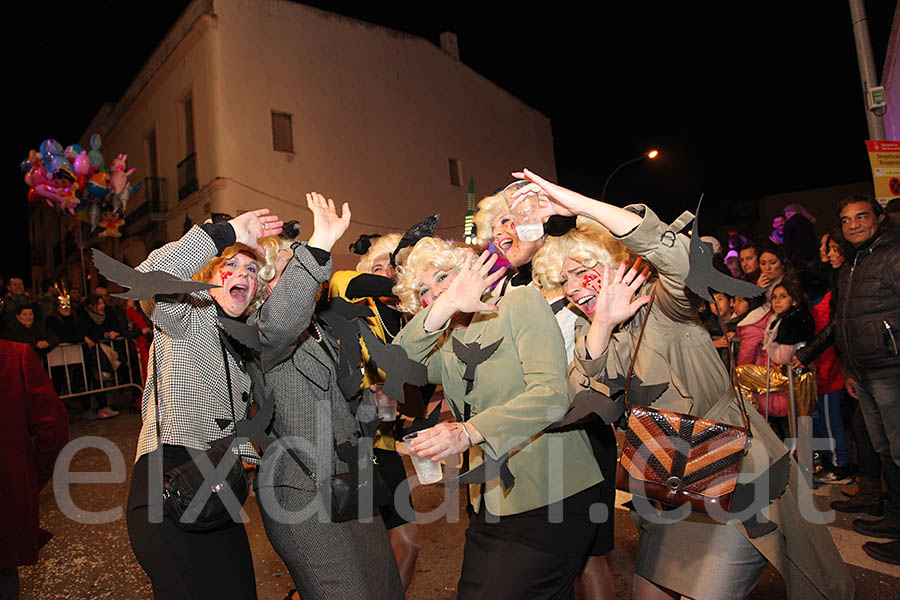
[282, 132]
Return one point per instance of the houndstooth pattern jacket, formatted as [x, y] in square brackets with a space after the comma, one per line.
[301, 377]
[189, 368]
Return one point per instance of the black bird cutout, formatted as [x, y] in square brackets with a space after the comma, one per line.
[414, 234]
[703, 276]
[744, 496]
[341, 317]
[143, 286]
[588, 405]
[422, 423]
[640, 393]
[255, 429]
[248, 335]
[488, 470]
[393, 360]
[473, 355]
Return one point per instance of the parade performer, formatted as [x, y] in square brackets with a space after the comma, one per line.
[529, 539]
[298, 371]
[695, 557]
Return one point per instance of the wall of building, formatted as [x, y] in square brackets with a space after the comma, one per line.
[376, 116]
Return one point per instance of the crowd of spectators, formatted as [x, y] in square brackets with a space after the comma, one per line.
[62, 315]
[830, 313]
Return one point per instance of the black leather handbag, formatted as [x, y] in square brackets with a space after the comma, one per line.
[341, 493]
[184, 482]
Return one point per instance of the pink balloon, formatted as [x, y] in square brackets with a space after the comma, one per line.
[82, 163]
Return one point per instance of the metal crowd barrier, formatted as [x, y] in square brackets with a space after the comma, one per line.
[93, 378]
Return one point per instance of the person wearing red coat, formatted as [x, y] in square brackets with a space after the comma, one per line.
[827, 418]
[34, 427]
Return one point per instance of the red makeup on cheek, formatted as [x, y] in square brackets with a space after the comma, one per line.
[591, 280]
[224, 275]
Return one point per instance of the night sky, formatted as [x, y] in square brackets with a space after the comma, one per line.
[743, 98]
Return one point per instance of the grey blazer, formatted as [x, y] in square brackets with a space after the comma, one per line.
[310, 410]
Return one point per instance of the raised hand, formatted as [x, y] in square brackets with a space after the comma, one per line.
[614, 304]
[470, 282]
[555, 199]
[254, 224]
[328, 227]
[465, 291]
[558, 200]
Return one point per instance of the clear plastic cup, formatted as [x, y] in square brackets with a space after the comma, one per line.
[529, 226]
[385, 406]
[427, 470]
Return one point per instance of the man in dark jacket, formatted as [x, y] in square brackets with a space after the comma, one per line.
[33, 429]
[867, 335]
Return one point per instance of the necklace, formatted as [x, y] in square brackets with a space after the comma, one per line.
[318, 336]
[384, 327]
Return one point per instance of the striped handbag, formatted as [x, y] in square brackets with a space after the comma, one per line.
[676, 459]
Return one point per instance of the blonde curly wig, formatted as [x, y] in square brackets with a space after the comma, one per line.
[428, 252]
[589, 244]
[489, 209]
[213, 265]
[272, 245]
[380, 248]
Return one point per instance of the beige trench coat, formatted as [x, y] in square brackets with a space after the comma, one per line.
[677, 349]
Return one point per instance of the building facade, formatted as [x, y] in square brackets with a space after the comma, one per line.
[248, 104]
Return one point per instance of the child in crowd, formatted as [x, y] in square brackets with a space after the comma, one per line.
[789, 327]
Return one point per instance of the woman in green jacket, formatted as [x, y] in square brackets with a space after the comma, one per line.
[502, 364]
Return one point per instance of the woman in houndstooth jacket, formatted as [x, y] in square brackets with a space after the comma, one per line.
[298, 372]
[189, 375]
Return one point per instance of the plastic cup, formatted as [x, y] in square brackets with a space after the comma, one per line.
[427, 471]
[529, 226]
[386, 407]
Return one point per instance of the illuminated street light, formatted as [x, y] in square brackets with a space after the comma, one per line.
[649, 155]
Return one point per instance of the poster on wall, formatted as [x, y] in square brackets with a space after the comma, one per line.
[884, 156]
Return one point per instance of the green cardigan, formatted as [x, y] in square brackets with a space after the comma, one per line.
[518, 391]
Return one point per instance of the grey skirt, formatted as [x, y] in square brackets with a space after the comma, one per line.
[698, 558]
[330, 560]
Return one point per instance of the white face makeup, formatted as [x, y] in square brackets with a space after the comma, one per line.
[238, 280]
[432, 283]
[580, 285]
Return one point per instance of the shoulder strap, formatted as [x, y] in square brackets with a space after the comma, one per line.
[635, 353]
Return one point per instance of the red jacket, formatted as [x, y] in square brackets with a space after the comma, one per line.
[34, 427]
[828, 369]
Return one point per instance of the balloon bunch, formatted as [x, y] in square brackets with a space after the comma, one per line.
[67, 178]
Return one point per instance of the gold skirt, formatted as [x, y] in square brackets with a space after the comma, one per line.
[752, 382]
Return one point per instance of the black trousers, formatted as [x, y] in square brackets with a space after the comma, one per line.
[184, 565]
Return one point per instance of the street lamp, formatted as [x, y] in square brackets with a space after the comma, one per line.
[651, 155]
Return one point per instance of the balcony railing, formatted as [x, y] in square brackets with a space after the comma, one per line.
[187, 176]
